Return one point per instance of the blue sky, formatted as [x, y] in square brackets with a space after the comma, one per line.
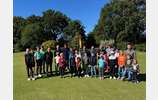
[87, 11]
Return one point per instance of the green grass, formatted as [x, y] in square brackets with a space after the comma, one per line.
[55, 88]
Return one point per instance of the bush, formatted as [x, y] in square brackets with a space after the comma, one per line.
[121, 45]
[49, 44]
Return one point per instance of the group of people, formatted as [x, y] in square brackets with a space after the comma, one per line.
[115, 63]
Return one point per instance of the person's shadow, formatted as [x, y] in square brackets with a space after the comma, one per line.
[142, 77]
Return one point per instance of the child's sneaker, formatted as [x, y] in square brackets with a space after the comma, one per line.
[28, 79]
[110, 77]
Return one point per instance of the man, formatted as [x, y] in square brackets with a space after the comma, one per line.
[38, 58]
[66, 54]
[130, 51]
[48, 59]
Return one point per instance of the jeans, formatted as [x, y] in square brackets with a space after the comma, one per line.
[120, 71]
[49, 66]
[113, 71]
[61, 71]
[93, 71]
[128, 72]
[39, 66]
[101, 72]
[43, 66]
[56, 68]
[29, 70]
[79, 72]
[88, 70]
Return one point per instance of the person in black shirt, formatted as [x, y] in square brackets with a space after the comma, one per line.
[48, 59]
[29, 60]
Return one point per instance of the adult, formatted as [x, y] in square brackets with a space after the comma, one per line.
[28, 62]
[43, 60]
[130, 51]
[38, 58]
[57, 49]
[66, 55]
[48, 58]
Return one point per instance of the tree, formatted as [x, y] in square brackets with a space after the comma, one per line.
[32, 36]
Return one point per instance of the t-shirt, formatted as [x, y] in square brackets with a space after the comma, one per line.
[121, 60]
[42, 54]
[57, 59]
[38, 55]
[101, 63]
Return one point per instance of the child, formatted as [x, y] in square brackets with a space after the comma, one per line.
[113, 65]
[71, 62]
[128, 69]
[78, 67]
[57, 62]
[135, 71]
[121, 64]
[61, 65]
[102, 64]
[93, 62]
[28, 62]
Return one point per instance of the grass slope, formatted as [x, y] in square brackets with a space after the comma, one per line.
[55, 88]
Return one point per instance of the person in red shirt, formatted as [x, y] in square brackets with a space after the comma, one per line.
[121, 64]
[61, 65]
[78, 67]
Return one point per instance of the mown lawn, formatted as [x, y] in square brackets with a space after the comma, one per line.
[55, 88]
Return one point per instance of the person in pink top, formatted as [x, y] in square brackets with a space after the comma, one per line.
[57, 62]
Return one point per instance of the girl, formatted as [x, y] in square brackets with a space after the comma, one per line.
[113, 65]
[135, 71]
[102, 64]
[121, 64]
[57, 62]
[61, 65]
[78, 67]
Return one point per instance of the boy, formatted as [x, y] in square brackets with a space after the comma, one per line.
[113, 65]
[101, 66]
[93, 62]
[71, 62]
[48, 58]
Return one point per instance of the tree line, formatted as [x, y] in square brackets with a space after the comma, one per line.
[120, 20]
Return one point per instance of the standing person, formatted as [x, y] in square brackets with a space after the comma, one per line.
[72, 62]
[61, 65]
[85, 64]
[93, 62]
[121, 64]
[78, 67]
[43, 60]
[38, 58]
[57, 57]
[58, 49]
[33, 59]
[76, 56]
[135, 71]
[130, 51]
[48, 58]
[113, 65]
[66, 55]
[102, 64]
[108, 49]
[28, 62]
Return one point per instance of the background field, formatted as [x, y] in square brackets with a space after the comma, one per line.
[55, 88]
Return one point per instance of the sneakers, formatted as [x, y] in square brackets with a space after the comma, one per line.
[33, 78]
[114, 78]
[110, 77]
[28, 79]
[39, 75]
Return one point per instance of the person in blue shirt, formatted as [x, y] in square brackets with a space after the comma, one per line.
[102, 64]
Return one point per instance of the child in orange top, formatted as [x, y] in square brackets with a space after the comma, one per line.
[121, 64]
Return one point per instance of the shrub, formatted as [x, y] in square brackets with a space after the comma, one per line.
[49, 44]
